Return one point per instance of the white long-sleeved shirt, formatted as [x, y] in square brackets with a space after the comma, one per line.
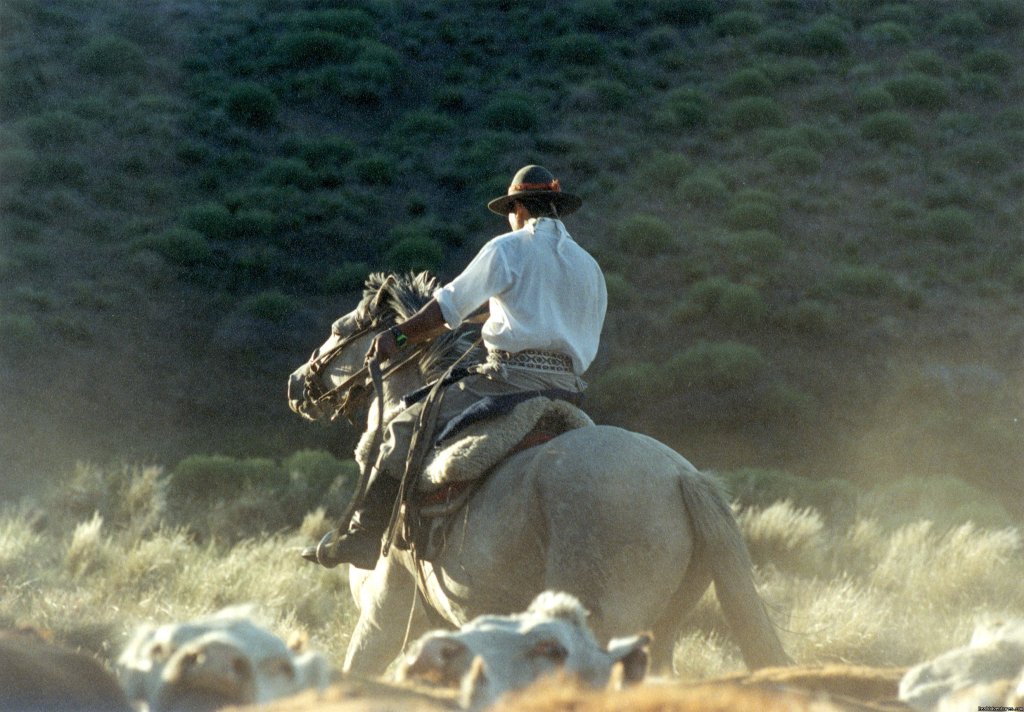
[545, 292]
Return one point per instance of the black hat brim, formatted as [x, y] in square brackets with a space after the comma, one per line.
[566, 203]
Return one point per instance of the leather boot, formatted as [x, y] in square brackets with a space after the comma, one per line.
[361, 544]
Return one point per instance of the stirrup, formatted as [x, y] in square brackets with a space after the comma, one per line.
[323, 553]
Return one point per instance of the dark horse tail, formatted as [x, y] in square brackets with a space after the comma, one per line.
[720, 543]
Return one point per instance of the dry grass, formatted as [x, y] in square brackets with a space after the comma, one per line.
[864, 594]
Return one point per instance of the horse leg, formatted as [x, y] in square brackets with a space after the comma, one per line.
[386, 598]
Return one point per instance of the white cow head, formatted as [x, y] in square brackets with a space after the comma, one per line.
[492, 655]
[215, 661]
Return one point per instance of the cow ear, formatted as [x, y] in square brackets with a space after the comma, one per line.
[632, 656]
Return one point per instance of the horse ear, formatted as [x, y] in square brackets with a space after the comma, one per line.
[382, 292]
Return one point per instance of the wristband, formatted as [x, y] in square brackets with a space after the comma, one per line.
[400, 338]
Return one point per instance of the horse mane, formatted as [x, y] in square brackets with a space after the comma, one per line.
[389, 299]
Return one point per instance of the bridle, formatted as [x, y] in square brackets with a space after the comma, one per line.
[349, 396]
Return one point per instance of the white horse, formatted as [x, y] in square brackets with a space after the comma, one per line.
[617, 519]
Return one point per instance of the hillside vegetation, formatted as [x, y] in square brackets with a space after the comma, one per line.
[809, 216]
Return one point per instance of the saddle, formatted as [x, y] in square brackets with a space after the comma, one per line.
[458, 464]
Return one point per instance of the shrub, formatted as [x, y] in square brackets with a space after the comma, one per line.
[645, 236]
[511, 112]
[684, 108]
[737, 23]
[756, 246]
[863, 281]
[55, 129]
[415, 254]
[20, 335]
[796, 160]
[721, 366]
[753, 210]
[874, 99]
[272, 305]
[376, 169]
[207, 478]
[288, 172]
[303, 49]
[983, 156]
[810, 316]
[996, 62]
[628, 389]
[684, 12]
[665, 169]
[950, 224]
[754, 112]
[919, 91]
[347, 277]
[605, 94]
[600, 15]
[825, 37]
[253, 224]
[962, 25]
[343, 21]
[111, 56]
[925, 60]
[758, 488]
[747, 82]
[621, 292]
[180, 246]
[888, 33]
[889, 128]
[704, 190]
[212, 220]
[734, 304]
[252, 104]
[577, 49]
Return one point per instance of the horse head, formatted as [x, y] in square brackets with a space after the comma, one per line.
[332, 380]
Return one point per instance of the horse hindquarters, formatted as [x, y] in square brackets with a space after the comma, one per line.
[721, 549]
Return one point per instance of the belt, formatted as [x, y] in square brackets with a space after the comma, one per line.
[550, 361]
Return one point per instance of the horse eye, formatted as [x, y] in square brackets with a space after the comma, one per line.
[551, 650]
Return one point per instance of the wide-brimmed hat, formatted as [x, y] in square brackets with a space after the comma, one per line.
[535, 182]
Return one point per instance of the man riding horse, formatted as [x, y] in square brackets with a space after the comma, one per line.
[546, 301]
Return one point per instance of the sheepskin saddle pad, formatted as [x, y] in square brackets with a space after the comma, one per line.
[477, 447]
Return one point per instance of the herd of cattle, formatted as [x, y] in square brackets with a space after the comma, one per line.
[545, 658]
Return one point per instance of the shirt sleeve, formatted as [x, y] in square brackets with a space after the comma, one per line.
[487, 275]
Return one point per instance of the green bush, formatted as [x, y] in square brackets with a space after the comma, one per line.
[753, 210]
[983, 156]
[645, 236]
[758, 247]
[720, 366]
[946, 500]
[952, 225]
[927, 61]
[621, 292]
[962, 25]
[55, 129]
[796, 160]
[180, 246]
[919, 91]
[599, 15]
[874, 99]
[350, 22]
[288, 172]
[996, 62]
[753, 112]
[111, 56]
[737, 23]
[303, 49]
[888, 33]
[736, 305]
[253, 224]
[664, 170]
[348, 277]
[755, 487]
[825, 37]
[684, 12]
[511, 112]
[212, 220]
[375, 170]
[704, 190]
[866, 281]
[415, 254]
[605, 94]
[628, 389]
[684, 108]
[811, 317]
[747, 82]
[578, 49]
[252, 104]
[889, 128]
[272, 305]
[20, 335]
[207, 478]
